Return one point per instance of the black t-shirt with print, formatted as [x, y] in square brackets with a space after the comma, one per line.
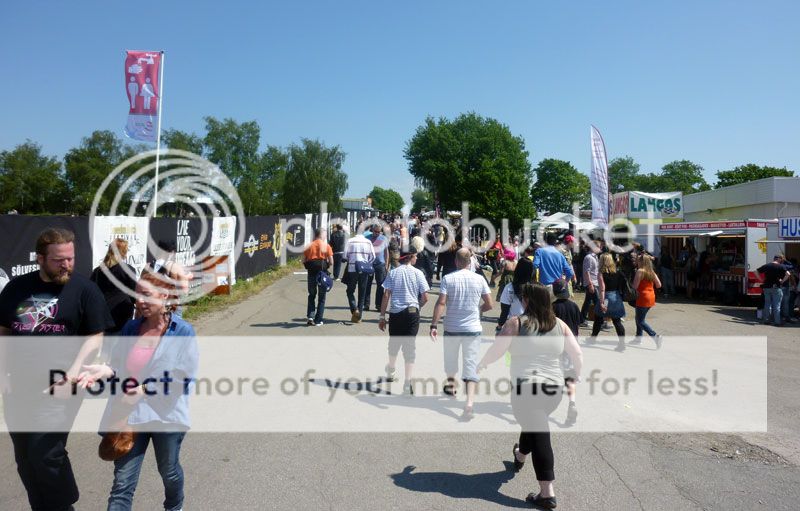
[31, 306]
[773, 274]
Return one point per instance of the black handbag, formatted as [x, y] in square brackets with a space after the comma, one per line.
[631, 294]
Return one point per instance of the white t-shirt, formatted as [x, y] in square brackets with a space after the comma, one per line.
[463, 289]
[509, 298]
[406, 284]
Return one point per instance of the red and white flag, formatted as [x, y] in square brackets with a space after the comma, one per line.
[142, 86]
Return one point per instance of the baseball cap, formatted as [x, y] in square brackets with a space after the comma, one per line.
[569, 238]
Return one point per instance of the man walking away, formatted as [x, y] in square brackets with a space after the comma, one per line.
[360, 256]
[567, 311]
[51, 302]
[551, 263]
[775, 274]
[318, 257]
[380, 265]
[337, 242]
[405, 292]
[590, 275]
[461, 293]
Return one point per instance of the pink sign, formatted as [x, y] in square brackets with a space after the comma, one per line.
[142, 88]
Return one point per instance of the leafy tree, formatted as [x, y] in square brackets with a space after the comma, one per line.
[314, 175]
[623, 175]
[388, 201]
[272, 166]
[683, 176]
[176, 139]
[749, 172]
[558, 185]
[30, 182]
[89, 164]
[421, 199]
[473, 159]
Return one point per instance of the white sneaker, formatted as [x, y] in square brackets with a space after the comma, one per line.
[319, 324]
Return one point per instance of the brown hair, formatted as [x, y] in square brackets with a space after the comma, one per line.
[539, 314]
[53, 236]
[163, 284]
[119, 247]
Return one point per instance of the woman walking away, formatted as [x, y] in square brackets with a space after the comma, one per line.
[536, 341]
[158, 343]
[511, 298]
[119, 292]
[645, 282]
[610, 283]
[508, 266]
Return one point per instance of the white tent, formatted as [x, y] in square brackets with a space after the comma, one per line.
[563, 220]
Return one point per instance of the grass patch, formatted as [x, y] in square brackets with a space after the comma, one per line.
[240, 292]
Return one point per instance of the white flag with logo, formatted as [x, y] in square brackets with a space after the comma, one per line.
[599, 179]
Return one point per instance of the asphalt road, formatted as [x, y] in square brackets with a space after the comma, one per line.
[454, 470]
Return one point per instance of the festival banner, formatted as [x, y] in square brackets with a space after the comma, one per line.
[142, 87]
[663, 206]
[132, 229]
[599, 179]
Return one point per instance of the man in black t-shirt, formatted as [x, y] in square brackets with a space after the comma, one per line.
[50, 302]
[775, 274]
[567, 311]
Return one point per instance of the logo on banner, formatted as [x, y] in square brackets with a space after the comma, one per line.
[250, 245]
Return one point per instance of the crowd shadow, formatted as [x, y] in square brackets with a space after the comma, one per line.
[485, 486]
[293, 323]
[733, 314]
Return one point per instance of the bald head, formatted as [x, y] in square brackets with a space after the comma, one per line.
[463, 256]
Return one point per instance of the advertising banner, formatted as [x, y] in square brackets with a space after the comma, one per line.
[142, 88]
[599, 180]
[654, 205]
[132, 229]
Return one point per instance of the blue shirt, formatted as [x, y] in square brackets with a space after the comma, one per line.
[178, 356]
[552, 265]
[380, 244]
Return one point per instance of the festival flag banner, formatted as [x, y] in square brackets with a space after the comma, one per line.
[142, 87]
[599, 179]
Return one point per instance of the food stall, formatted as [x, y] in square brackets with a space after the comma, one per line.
[728, 252]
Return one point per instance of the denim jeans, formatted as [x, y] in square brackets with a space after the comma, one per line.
[167, 448]
[667, 281]
[773, 296]
[313, 290]
[470, 344]
[787, 303]
[378, 277]
[641, 324]
[337, 264]
[356, 280]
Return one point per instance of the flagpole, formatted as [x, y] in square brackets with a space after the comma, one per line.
[158, 134]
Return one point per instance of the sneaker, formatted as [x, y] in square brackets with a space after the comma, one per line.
[636, 341]
[318, 323]
[605, 327]
[659, 341]
[309, 322]
[584, 324]
[620, 347]
[572, 413]
[390, 373]
[408, 390]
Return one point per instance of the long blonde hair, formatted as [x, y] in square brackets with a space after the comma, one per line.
[607, 264]
[117, 246]
[646, 265]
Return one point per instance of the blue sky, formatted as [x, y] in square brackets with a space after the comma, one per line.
[715, 82]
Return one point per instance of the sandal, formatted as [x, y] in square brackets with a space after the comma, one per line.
[449, 388]
[537, 500]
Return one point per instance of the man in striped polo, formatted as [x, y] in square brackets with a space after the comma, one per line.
[405, 291]
[359, 254]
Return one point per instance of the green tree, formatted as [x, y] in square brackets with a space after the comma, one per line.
[314, 175]
[473, 159]
[682, 176]
[388, 201]
[421, 199]
[87, 166]
[30, 182]
[623, 175]
[176, 139]
[558, 185]
[749, 172]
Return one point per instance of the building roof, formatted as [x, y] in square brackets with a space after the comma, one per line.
[761, 191]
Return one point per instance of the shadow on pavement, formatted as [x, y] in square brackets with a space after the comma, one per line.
[294, 323]
[461, 486]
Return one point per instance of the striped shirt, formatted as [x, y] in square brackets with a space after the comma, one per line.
[358, 248]
[464, 289]
[406, 284]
